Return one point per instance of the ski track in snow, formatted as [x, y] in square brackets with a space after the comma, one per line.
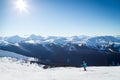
[11, 69]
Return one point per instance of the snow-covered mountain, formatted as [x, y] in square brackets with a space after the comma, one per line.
[98, 42]
[34, 37]
[98, 50]
[13, 39]
[87, 40]
[101, 42]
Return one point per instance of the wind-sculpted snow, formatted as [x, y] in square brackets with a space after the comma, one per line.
[12, 69]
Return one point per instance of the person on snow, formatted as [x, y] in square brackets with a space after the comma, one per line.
[84, 65]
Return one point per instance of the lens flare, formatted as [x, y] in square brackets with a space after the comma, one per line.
[21, 5]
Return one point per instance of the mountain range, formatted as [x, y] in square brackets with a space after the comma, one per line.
[66, 51]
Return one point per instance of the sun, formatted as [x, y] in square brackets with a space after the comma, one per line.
[21, 5]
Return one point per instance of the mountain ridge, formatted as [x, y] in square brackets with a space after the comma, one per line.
[63, 51]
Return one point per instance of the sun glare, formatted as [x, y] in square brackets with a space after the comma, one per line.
[21, 5]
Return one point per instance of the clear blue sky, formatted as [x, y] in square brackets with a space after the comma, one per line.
[61, 17]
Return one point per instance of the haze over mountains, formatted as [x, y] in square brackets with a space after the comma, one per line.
[66, 51]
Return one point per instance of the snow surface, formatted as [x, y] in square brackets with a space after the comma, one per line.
[11, 69]
[12, 55]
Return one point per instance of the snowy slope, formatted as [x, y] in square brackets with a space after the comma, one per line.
[12, 55]
[14, 70]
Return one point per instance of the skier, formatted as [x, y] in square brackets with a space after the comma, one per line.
[84, 65]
